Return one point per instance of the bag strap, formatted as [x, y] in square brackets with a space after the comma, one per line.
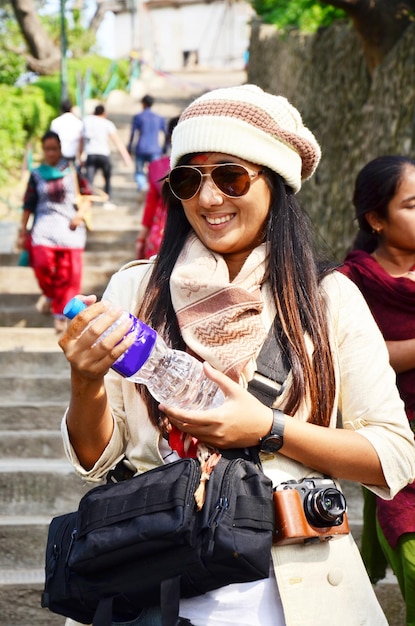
[169, 604]
[103, 612]
[169, 601]
[272, 370]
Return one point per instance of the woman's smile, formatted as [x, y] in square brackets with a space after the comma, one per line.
[219, 220]
[231, 226]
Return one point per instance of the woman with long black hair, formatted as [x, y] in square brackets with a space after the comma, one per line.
[237, 262]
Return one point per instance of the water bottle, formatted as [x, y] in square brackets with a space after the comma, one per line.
[173, 377]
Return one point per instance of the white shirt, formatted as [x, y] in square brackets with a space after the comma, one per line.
[96, 132]
[328, 579]
[69, 129]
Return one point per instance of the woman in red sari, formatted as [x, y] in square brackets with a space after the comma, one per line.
[382, 264]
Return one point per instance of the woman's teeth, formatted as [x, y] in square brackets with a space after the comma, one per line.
[218, 220]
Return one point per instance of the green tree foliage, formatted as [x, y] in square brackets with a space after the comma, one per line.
[80, 40]
[306, 15]
[91, 76]
[11, 63]
[25, 116]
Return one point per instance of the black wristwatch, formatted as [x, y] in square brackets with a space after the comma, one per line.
[275, 439]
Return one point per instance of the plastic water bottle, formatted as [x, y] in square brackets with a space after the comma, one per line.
[173, 377]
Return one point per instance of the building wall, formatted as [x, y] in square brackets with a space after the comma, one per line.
[215, 34]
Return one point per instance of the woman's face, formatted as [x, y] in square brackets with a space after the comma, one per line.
[51, 151]
[232, 227]
[398, 230]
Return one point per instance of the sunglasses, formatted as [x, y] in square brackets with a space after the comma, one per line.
[232, 179]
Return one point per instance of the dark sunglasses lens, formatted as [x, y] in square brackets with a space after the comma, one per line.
[184, 182]
[233, 180]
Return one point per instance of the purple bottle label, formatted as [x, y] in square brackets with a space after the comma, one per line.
[134, 358]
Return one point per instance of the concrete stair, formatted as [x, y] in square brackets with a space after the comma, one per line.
[36, 481]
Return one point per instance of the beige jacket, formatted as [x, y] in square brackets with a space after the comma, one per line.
[328, 580]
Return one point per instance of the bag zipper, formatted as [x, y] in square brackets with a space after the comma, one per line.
[57, 544]
[221, 505]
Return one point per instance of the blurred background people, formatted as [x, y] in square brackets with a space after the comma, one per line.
[69, 128]
[58, 233]
[151, 132]
[382, 264]
[98, 133]
[155, 211]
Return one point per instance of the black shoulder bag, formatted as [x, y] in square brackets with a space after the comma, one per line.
[142, 542]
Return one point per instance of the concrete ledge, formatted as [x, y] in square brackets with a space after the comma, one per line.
[20, 602]
[29, 340]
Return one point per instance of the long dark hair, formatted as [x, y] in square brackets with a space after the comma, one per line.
[294, 278]
[375, 186]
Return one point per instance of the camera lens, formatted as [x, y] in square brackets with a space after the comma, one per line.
[325, 507]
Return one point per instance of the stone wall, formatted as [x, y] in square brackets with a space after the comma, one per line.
[355, 117]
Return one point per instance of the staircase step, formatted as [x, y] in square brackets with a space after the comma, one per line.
[29, 340]
[42, 444]
[390, 598]
[112, 239]
[39, 487]
[35, 388]
[41, 415]
[16, 280]
[101, 258]
[14, 553]
[24, 317]
[19, 363]
[20, 595]
[354, 500]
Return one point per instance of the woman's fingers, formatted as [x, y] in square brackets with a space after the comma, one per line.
[96, 338]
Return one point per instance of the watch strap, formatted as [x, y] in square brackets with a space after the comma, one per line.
[278, 422]
[277, 430]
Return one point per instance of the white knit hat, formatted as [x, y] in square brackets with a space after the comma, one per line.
[251, 124]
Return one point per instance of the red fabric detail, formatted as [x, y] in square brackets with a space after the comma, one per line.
[185, 445]
[155, 212]
[58, 272]
[397, 517]
[392, 302]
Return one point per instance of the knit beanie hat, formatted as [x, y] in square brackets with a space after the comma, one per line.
[251, 124]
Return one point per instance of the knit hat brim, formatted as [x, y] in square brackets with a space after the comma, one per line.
[250, 124]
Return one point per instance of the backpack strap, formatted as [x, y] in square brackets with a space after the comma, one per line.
[103, 612]
[169, 601]
[273, 367]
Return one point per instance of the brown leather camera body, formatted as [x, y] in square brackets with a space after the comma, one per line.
[292, 526]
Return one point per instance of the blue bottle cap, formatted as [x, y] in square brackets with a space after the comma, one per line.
[73, 307]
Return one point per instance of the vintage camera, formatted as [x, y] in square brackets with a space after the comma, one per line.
[309, 510]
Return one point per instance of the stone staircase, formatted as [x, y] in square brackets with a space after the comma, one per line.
[36, 481]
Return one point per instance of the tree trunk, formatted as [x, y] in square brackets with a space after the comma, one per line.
[380, 24]
[44, 56]
[101, 8]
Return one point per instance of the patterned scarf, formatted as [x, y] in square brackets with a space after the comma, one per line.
[220, 321]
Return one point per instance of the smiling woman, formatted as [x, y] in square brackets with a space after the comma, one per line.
[232, 179]
[236, 267]
[382, 264]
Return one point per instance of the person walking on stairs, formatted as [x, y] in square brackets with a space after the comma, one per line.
[149, 126]
[69, 128]
[58, 233]
[98, 133]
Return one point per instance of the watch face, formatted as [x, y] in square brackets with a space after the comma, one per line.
[272, 443]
